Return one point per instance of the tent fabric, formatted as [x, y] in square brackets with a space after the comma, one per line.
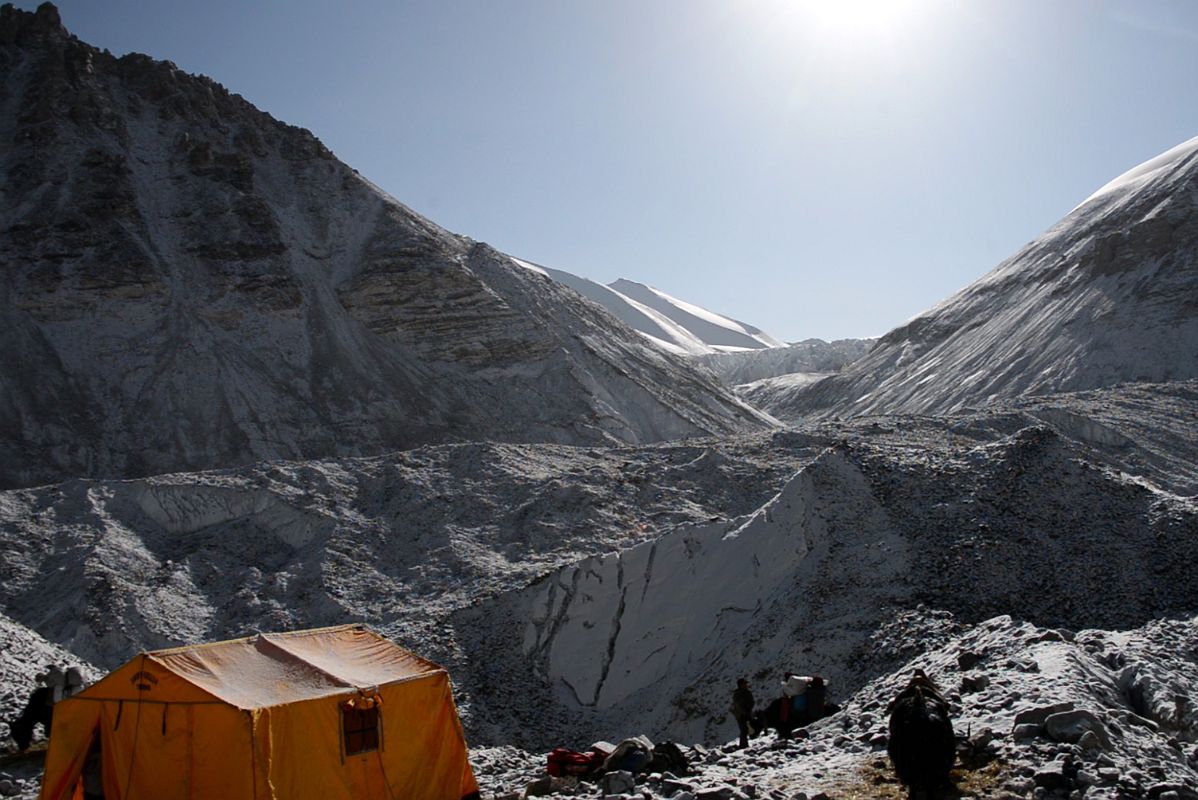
[355, 656]
[261, 719]
[273, 669]
[251, 673]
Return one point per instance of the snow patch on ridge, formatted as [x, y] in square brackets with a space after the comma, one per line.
[1151, 168]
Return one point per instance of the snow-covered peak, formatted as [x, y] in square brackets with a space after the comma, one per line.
[674, 325]
[718, 332]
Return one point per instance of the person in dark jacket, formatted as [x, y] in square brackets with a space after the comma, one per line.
[742, 709]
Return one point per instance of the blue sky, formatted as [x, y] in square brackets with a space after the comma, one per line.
[813, 172]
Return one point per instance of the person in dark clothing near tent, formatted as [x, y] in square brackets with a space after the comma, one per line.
[742, 709]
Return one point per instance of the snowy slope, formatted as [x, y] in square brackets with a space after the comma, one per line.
[715, 330]
[191, 283]
[1108, 295]
[1032, 523]
[671, 324]
[650, 323]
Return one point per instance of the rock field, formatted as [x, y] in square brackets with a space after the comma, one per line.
[1054, 539]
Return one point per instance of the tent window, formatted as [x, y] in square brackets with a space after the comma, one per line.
[361, 727]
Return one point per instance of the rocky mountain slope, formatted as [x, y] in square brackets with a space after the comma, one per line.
[1108, 295]
[193, 284]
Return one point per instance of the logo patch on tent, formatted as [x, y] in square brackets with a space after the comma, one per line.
[144, 681]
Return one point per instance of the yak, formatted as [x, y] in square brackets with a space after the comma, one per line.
[922, 745]
[38, 709]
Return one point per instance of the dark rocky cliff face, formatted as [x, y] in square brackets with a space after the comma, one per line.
[189, 283]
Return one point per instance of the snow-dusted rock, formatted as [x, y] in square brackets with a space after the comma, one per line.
[192, 284]
[1040, 714]
[1071, 726]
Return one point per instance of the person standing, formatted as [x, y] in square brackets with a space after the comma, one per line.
[742, 709]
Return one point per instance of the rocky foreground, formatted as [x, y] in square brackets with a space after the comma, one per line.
[1038, 713]
[1028, 557]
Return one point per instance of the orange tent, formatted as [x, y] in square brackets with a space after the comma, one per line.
[330, 713]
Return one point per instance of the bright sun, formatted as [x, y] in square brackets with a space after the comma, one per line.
[854, 20]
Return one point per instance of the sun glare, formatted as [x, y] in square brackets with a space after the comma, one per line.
[853, 22]
[850, 17]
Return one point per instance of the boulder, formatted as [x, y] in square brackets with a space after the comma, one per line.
[549, 785]
[981, 739]
[1171, 791]
[541, 787]
[715, 793]
[974, 683]
[968, 660]
[1026, 731]
[1052, 776]
[1020, 787]
[1037, 715]
[618, 782]
[1070, 726]
[671, 787]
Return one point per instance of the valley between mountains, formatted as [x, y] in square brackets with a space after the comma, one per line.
[245, 390]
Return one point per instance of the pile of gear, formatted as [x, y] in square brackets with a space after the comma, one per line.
[612, 765]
